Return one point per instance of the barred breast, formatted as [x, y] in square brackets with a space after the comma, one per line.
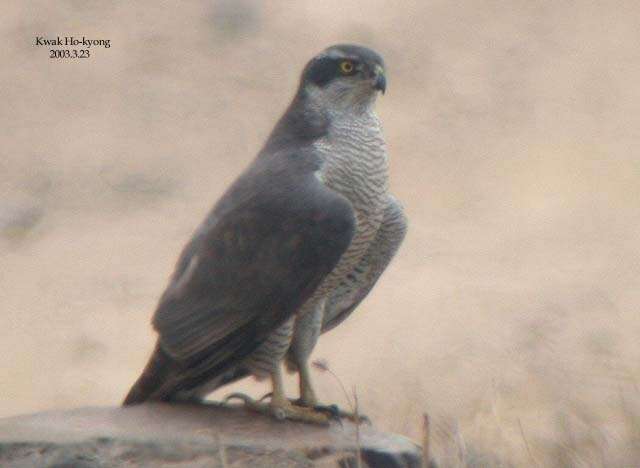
[355, 165]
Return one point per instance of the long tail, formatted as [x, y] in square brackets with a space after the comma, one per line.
[153, 376]
[155, 382]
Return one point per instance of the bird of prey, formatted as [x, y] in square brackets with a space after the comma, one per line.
[289, 251]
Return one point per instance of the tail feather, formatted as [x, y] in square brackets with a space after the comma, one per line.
[161, 377]
[153, 377]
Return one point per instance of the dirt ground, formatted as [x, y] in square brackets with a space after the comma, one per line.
[510, 314]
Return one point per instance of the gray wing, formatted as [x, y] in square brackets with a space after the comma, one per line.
[357, 285]
[262, 252]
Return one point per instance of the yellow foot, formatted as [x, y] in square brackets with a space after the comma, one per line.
[282, 410]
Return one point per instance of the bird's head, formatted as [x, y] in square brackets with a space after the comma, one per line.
[344, 77]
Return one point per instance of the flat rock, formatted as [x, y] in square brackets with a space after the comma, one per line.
[188, 435]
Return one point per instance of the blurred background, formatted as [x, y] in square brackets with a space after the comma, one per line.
[510, 315]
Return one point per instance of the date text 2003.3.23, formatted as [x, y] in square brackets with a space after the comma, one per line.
[69, 53]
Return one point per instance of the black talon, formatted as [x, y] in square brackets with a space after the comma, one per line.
[335, 413]
[332, 410]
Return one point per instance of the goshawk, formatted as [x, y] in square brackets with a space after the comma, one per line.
[289, 251]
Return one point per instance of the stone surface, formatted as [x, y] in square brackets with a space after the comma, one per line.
[191, 436]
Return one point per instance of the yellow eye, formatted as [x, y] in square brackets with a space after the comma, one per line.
[346, 67]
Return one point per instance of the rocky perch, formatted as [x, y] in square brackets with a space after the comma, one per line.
[154, 435]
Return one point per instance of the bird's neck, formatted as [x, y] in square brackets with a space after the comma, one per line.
[339, 102]
[300, 125]
[309, 120]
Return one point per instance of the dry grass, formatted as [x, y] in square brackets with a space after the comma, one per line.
[575, 440]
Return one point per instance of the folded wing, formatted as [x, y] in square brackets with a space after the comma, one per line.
[260, 255]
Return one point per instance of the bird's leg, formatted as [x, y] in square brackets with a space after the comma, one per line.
[282, 408]
[308, 328]
[279, 406]
[307, 394]
[308, 399]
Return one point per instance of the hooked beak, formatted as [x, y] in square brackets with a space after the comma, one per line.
[379, 80]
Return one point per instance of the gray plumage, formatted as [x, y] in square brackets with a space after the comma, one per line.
[292, 247]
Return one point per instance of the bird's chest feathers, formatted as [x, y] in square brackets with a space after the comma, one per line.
[354, 164]
[354, 160]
